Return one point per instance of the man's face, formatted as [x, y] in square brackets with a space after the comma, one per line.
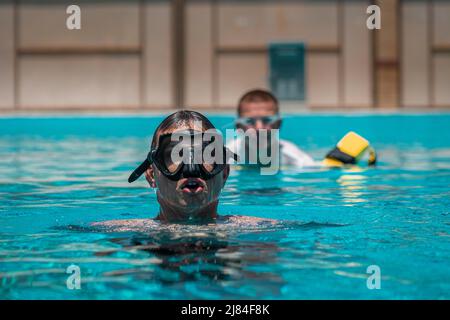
[259, 115]
[187, 194]
[190, 193]
[259, 120]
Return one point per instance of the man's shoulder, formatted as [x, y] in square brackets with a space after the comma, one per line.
[287, 143]
[288, 146]
[293, 155]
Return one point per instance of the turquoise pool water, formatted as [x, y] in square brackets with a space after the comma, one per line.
[58, 175]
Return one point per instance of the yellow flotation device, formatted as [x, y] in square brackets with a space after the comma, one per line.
[349, 150]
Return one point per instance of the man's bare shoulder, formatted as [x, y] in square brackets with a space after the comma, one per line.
[226, 221]
[249, 220]
[126, 224]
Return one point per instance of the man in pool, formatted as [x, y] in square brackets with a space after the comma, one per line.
[258, 110]
[187, 186]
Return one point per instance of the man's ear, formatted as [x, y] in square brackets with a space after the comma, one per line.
[150, 176]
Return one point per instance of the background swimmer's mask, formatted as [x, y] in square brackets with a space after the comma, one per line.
[184, 156]
[251, 121]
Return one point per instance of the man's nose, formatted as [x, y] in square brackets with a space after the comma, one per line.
[259, 124]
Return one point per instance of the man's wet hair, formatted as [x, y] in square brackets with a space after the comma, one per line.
[182, 118]
[257, 95]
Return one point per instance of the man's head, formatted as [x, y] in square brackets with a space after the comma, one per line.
[258, 109]
[191, 193]
[258, 123]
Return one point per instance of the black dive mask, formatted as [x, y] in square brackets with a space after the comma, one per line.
[187, 154]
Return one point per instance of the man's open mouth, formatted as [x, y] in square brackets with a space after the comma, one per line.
[192, 185]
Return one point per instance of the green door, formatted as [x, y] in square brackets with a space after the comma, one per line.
[287, 70]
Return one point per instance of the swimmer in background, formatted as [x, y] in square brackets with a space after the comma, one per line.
[258, 109]
[186, 192]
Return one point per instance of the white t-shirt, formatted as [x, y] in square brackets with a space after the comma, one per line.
[291, 155]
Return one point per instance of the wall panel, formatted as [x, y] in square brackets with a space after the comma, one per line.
[239, 73]
[387, 36]
[357, 57]
[441, 23]
[7, 54]
[322, 88]
[415, 54]
[158, 77]
[441, 65]
[387, 90]
[199, 54]
[387, 57]
[249, 24]
[42, 24]
[79, 81]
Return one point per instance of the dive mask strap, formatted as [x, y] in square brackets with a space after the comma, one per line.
[142, 168]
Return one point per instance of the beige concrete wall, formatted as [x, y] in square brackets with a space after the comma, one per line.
[441, 79]
[199, 57]
[441, 22]
[157, 65]
[108, 24]
[7, 54]
[246, 28]
[415, 68]
[247, 23]
[356, 60]
[387, 58]
[441, 56]
[322, 81]
[238, 73]
[124, 55]
[74, 81]
[97, 66]
[121, 57]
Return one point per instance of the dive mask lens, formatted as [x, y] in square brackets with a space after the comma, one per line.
[251, 121]
[246, 121]
[269, 120]
[172, 151]
[170, 163]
